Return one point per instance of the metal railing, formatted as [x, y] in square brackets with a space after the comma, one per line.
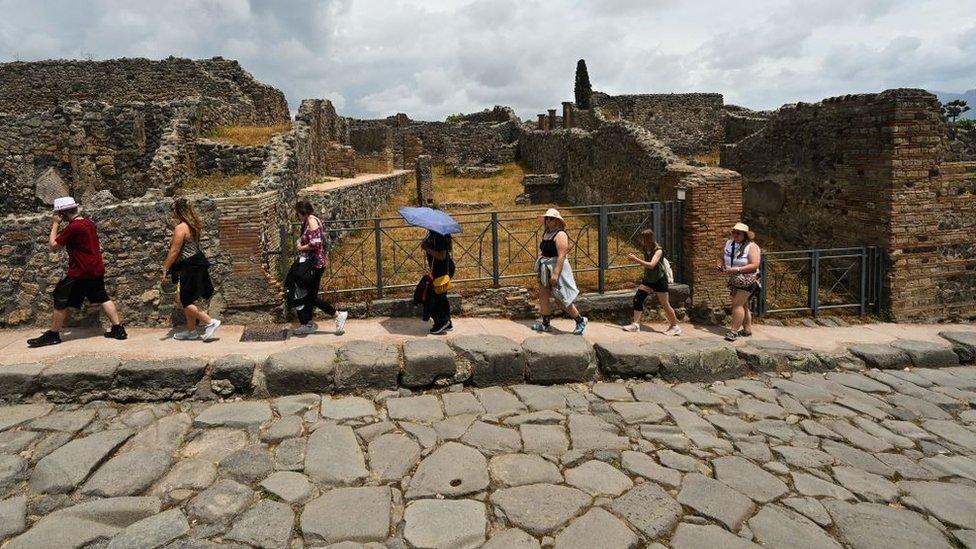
[815, 280]
[382, 255]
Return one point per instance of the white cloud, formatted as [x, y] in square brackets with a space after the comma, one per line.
[431, 58]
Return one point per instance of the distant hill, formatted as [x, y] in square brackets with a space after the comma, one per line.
[968, 97]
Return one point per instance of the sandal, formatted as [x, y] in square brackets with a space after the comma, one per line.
[745, 333]
[731, 336]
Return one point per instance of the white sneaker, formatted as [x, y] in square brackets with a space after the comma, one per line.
[186, 335]
[340, 320]
[673, 331]
[210, 329]
[632, 327]
[306, 329]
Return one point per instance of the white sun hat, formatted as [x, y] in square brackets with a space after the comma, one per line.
[64, 203]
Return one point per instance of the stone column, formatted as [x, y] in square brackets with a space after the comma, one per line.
[425, 180]
[569, 118]
[552, 119]
[712, 204]
[543, 122]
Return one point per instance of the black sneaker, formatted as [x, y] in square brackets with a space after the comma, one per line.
[117, 332]
[450, 326]
[441, 328]
[45, 339]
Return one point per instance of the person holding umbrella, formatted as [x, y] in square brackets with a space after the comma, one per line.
[437, 247]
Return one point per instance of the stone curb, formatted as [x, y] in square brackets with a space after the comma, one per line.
[477, 360]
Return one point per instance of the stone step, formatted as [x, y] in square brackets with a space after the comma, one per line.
[481, 360]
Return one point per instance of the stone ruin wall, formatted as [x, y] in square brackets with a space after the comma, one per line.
[134, 238]
[617, 163]
[487, 137]
[688, 123]
[620, 162]
[242, 227]
[869, 170]
[27, 87]
[374, 148]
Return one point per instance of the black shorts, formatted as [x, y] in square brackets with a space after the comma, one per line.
[660, 286]
[72, 292]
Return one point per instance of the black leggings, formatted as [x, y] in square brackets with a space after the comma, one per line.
[311, 300]
[639, 298]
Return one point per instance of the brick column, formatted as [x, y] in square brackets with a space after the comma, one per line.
[552, 119]
[713, 203]
[543, 122]
[569, 119]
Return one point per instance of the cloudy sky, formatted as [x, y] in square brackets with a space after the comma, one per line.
[431, 58]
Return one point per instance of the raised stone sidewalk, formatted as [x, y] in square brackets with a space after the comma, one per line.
[872, 458]
[87, 369]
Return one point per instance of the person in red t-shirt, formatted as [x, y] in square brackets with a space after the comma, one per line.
[85, 278]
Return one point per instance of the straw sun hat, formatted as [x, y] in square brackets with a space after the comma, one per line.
[743, 228]
[554, 214]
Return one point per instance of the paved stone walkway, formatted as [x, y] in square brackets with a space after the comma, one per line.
[865, 459]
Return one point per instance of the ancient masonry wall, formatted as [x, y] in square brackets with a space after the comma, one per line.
[484, 139]
[619, 162]
[214, 157]
[134, 238]
[242, 227]
[356, 201]
[712, 205]
[38, 86]
[689, 123]
[868, 170]
[374, 148]
[87, 146]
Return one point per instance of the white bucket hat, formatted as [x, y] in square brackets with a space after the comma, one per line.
[64, 203]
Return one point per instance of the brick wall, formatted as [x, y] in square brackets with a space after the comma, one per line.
[248, 229]
[869, 170]
[712, 205]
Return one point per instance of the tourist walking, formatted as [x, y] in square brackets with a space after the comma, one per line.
[656, 278]
[85, 279]
[305, 275]
[740, 262]
[438, 248]
[188, 268]
[555, 275]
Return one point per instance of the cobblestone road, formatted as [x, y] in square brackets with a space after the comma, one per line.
[860, 459]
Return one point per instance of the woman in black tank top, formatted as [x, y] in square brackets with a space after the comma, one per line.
[553, 249]
[547, 246]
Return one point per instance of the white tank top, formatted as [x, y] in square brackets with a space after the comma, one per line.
[734, 256]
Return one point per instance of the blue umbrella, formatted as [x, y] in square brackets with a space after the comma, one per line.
[433, 220]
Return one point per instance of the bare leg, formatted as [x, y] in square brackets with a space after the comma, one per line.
[572, 311]
[111, 312]
[739, 301]
[637, 316]
[544, 295]
[191, 319]
[664, 300]
[58, 318]
[747, 321]
[198, 313]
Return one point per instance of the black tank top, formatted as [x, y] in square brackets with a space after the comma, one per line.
[547, 246]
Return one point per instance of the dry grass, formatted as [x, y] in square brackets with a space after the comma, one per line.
[250, 136]
[215, 184]
[353, 263]
[711, 158]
